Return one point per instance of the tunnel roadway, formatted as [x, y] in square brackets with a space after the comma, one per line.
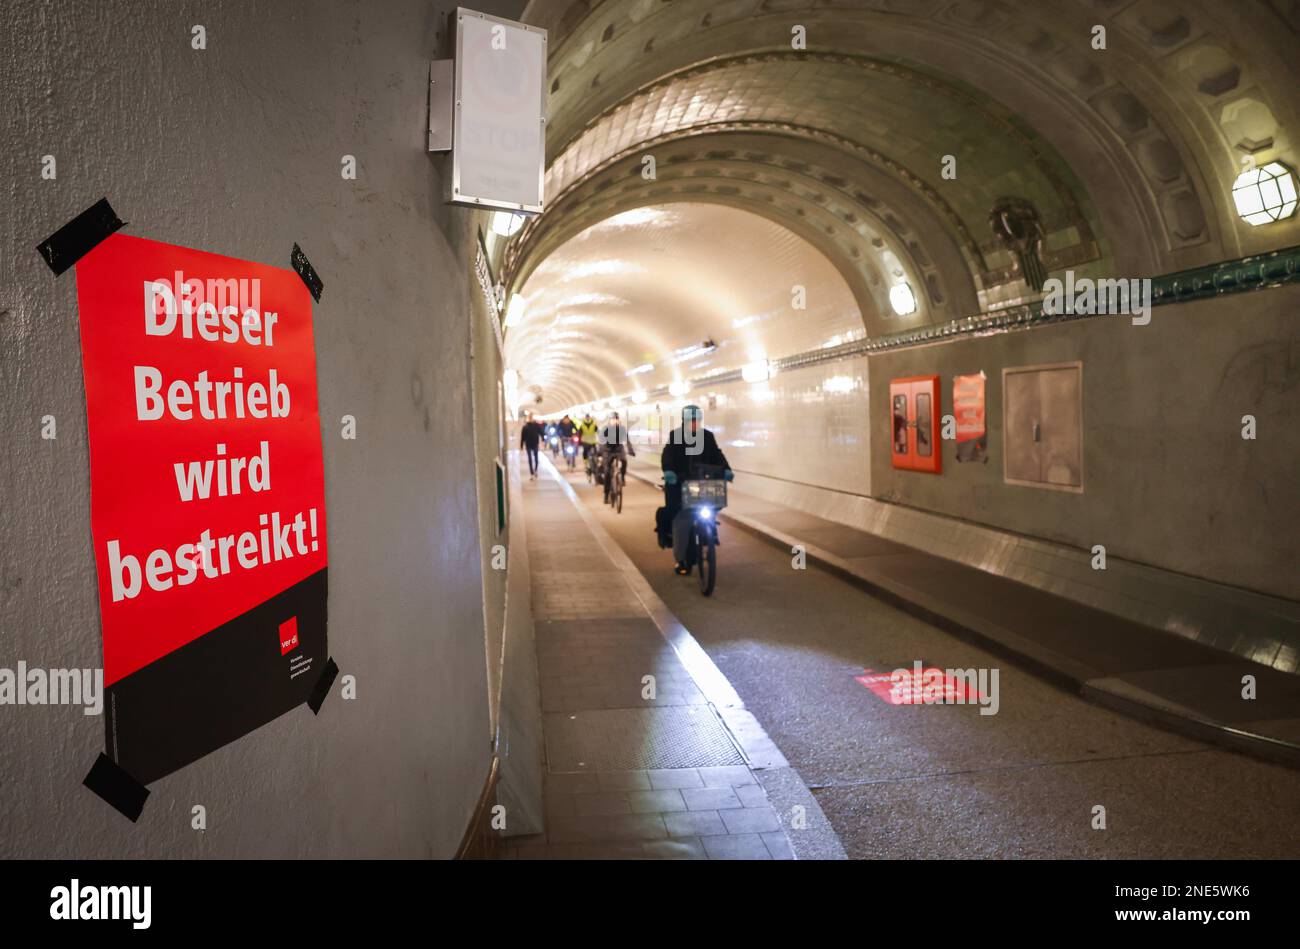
[943, 781]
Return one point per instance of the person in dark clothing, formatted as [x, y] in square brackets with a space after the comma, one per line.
[614, 444]
[688, 447]
[530, 437]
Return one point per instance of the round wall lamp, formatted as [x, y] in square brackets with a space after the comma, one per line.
[1265, 194]
[902, 299]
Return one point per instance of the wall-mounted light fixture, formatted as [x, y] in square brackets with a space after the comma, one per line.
[902, 299]
[510, 386]
[515, 311]
[1265, 194]
[506, 223]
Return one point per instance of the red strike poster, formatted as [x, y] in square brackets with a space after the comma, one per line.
[207, 496]
[968, 409]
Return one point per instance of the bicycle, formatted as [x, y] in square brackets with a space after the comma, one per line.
[589, 453]
[615, 479]
[705, 496]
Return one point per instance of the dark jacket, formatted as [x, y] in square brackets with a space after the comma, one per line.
[530, 435]
[614, 434]
[676, 459]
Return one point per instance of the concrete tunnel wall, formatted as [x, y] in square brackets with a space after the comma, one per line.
[1168, 479]
[237, 150]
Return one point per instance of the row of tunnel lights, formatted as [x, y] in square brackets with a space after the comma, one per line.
[902, 300]
[639, 401]
[1262, 195]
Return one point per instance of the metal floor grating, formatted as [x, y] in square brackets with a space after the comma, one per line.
[637, 739]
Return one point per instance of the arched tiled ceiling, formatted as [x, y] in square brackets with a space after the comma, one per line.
[644, 287]
[1153, 127]
[874, 229]
[840, 104]
[892, 118]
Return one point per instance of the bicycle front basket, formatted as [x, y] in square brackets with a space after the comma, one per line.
[704, 494]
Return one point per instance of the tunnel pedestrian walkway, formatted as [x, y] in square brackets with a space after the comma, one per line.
[639, 762]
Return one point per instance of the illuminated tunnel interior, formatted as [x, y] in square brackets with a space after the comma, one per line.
[837, 229]
[918, 158]
[589, 430]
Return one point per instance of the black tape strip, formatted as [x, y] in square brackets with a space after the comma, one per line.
[123, 792]
[79, 236]
[327, 676]
[307, 272]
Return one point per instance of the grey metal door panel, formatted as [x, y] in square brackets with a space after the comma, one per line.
[1021, 393]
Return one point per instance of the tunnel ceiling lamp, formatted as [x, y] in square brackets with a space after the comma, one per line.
[1264, 195]
[695, 351]
[600, 268]
[515, 311]
[635, 217]
[902, 299]
[510, 385]
[644, 367]
[593, 299]
[506, 223]
[679, 388]
[759, 371]
[638, 396]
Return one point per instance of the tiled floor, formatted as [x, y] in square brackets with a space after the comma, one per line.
[639, 766]
[685, 813]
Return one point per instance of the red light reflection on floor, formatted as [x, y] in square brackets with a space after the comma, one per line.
[923, 686]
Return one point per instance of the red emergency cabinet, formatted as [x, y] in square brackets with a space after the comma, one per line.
[914, 424]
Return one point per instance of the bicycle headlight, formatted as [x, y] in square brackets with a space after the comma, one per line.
[706, 513]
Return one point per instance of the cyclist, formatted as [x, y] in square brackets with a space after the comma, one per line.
[568, 429]
[688, 446]
[589, 432]
[614, 443]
